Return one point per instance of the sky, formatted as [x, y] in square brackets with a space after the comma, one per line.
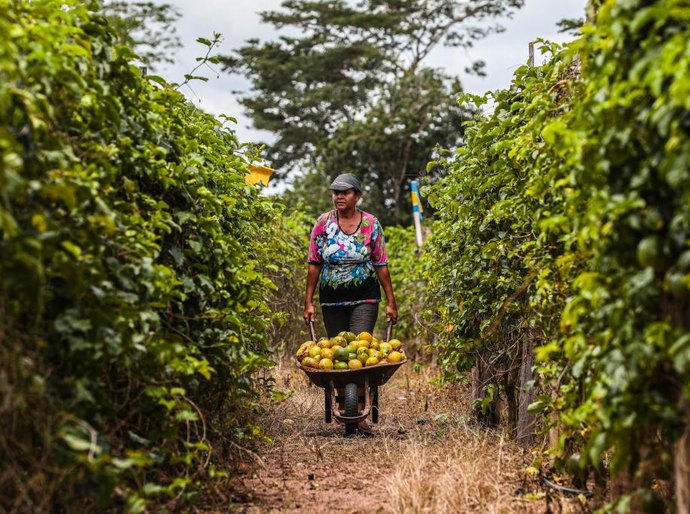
[238, 20]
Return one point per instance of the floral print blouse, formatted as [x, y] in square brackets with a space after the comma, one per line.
[348, 276]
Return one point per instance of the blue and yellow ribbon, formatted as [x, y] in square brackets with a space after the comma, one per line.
[416, 203]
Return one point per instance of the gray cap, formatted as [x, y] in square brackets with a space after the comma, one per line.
[344, 182]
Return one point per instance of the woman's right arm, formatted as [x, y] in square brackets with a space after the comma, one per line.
[315, 260]
[313, 273]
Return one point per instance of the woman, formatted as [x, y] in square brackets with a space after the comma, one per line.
[348, 253]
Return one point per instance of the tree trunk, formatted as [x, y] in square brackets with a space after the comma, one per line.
[682, 468]
[397, 196]
[399, 185]
[679, 311]
[526, 420]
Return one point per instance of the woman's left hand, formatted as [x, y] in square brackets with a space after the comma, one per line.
[392, 313]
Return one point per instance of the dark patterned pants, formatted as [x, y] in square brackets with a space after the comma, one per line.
[350, 318]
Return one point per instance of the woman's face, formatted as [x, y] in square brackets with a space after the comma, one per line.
[346, 200]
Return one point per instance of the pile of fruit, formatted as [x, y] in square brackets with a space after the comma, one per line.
[349, 351]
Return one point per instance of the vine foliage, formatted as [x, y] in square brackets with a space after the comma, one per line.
[565, 220]
[132, 300]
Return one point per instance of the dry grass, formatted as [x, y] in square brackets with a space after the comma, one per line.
[426, 456]
[451, 479]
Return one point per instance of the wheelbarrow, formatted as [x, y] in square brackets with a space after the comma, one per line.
[359, 387]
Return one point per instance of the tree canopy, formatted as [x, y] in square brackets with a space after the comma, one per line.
[345, 87]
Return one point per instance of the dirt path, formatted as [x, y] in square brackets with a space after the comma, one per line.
[425, 456]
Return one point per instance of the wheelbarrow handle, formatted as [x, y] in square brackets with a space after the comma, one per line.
[389, 330]
[311, 330]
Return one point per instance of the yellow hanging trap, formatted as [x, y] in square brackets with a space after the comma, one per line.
[258, 173]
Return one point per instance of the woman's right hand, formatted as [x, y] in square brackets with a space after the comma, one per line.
[309, 313]
[313, 272]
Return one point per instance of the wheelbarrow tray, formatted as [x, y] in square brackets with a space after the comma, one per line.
[376, 375]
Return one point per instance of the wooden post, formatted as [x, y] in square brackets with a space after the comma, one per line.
[526, 419]
[531, 55]
[416, 212]
[682, 468]
[679, 312]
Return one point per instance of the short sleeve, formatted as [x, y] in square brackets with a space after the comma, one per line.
[315, 255]
[379, 256]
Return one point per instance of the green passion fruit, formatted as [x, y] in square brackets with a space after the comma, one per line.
[651, 254]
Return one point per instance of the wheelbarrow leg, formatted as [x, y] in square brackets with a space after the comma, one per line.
[328, 397]
[374, 404]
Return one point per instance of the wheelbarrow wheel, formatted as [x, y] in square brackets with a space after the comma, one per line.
[351, 409]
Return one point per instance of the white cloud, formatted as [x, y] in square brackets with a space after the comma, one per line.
[507, 51]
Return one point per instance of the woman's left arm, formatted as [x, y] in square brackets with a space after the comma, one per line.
[385, 280]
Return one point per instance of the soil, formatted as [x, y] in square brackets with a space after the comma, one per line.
[425, 455]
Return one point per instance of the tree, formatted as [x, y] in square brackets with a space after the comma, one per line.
[396, 138]
[146, 27]
[571, 26]
[350, 91]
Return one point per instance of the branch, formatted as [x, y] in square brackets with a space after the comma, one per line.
[507, 303]
[203, 61]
